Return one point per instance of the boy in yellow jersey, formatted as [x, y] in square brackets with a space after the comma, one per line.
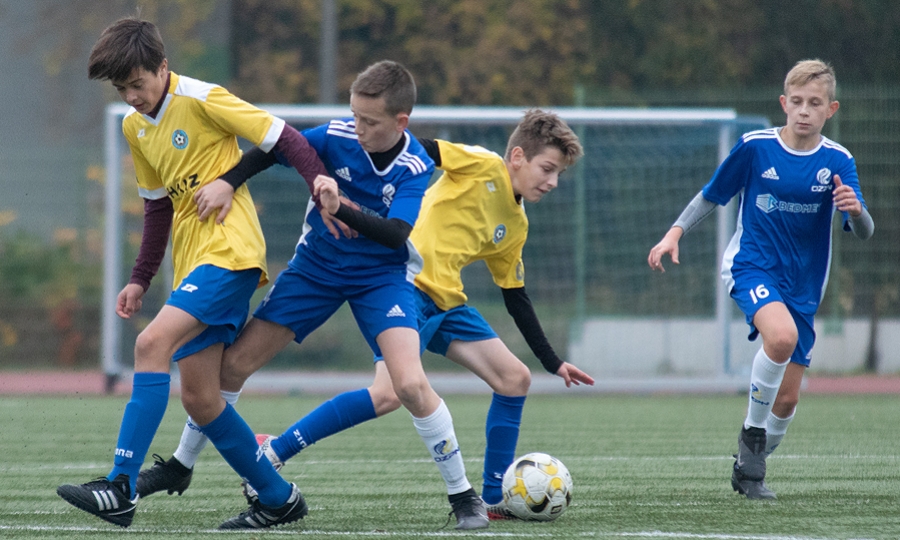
[182, 135]
[475, 211]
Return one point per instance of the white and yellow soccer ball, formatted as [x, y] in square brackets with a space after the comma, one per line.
[537, 487]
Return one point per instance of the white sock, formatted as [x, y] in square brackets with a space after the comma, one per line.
[775, 429]
[765, 378]
[193, 441]
[437, 432]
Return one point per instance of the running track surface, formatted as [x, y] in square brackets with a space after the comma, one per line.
[95, 383]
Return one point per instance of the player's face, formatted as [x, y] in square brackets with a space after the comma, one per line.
[377, 130]
[807, 108]
[538, 177]
[143, 89]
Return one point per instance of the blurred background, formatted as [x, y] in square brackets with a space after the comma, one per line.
[722, 54]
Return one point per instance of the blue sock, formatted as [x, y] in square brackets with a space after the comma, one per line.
[149, 397]
[337, 414]
[502, 433]
[234, 439]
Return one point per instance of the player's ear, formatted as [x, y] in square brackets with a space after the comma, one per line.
[517, 156]
[832, 108]
[402, 121]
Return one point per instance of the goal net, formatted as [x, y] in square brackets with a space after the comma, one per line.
[585, 260]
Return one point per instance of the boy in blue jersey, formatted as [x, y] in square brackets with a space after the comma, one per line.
[791, 180]
[378, 175]
[182, 136]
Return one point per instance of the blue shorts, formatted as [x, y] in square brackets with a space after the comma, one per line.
[303, 303]
[437, 328]
[753, 290]
[216, 297]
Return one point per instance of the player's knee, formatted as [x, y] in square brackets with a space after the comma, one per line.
[234, 373]
[384, 399]
[780, 343]
[411, 391]
[151, 352]
[203, 407]
[514, 382]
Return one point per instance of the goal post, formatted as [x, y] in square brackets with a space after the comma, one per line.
[641, 166]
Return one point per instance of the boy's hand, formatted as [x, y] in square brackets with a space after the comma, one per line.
[214, 195]
[129, 300]
[573, 375]
[845, 198]
[325, 190]
[669, 244]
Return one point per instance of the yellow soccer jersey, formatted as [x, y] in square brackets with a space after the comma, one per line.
[191, 142]
[469, 214]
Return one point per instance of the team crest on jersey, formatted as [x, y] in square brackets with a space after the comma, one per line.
[823, 177]
[499, 233]
[179, 139]
[387, 194]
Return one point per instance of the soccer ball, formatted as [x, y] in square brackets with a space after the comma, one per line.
[537, 487]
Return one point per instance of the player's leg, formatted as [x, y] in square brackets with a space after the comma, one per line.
[464, 336]
[341, 412]
[789, 393]
[113, 499]
[770, 318]
[433, 422]
[510, 379]
[257, 343]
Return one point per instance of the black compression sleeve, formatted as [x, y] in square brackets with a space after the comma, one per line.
[253, 162]
[519, 306]
[390, 233]
[432, 149]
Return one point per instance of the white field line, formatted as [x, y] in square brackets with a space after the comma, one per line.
[476, 459]
[426, 534]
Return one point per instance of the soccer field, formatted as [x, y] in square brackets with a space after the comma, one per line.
[643, 467]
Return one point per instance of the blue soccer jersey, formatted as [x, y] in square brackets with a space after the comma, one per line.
[395, 192]
[785, 212]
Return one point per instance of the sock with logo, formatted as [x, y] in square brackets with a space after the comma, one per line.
[502, 433]
[234, 439]
[765, 378]
[437, 432]
[143, 414]
[337, 414]
[193, 441]
[775, 429]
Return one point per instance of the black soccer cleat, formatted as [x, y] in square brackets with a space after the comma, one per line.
[170, 476]
[259, 516]
[109, 501]
[469, 510]
[749, 471]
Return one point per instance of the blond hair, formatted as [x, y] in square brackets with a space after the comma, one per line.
[538, 130]
[806, 71]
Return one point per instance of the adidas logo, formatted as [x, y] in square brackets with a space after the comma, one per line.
[106, 500]
[770, 174]
[396, 312]
[344, 172]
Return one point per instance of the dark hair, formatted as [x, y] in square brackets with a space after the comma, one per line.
[389, 80]
[538, 130]
[124, 46]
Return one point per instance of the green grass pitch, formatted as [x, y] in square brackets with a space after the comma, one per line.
[643, 467]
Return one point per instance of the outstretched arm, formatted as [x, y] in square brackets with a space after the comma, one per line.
[696, 210]
[519, 307]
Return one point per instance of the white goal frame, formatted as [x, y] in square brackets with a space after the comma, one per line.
[422, 115]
